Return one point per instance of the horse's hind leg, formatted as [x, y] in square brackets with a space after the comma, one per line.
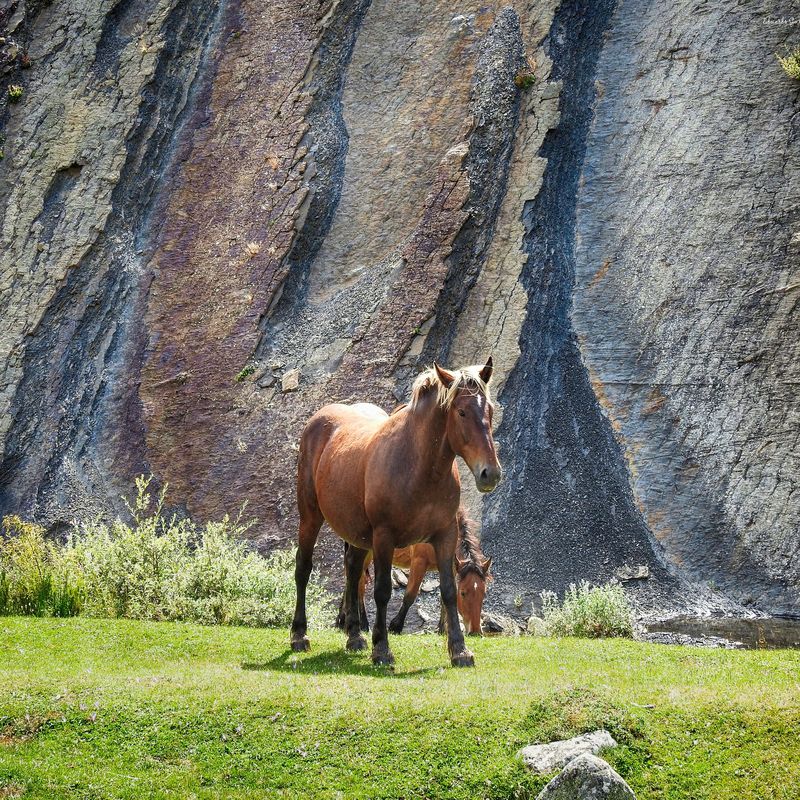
[340, 617]
[362, 590]
[310, 522]
[362, 609]
[415, 578]
[354, 567]
[383, 550]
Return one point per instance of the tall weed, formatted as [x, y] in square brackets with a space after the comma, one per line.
[588, 611]
[35, 579]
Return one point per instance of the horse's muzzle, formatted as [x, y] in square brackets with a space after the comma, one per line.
[487, 477]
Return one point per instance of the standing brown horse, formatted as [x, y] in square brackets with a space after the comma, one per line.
[386, 482]
[472, 579]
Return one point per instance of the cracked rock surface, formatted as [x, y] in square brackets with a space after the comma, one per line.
[218, 215]
[587, 777]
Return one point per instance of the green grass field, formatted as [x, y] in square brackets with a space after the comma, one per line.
[113, 708]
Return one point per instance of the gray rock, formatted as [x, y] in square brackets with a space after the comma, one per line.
[499, 625]
[399, 578]
[492, 623]
[290, 380]
[587, 777]
[543, 758]
[266, 381]
[628, 573]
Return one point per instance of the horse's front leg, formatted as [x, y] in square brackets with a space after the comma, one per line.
[460, 656]
[382, 552]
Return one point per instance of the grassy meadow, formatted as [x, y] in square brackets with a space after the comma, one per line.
[95, 708]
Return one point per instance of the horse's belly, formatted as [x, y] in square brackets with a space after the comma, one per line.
[347, 522]
[339, 486]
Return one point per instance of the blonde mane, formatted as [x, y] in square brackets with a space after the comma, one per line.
[464, 378]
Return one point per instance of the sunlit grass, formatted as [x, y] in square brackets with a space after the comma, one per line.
[119, 708]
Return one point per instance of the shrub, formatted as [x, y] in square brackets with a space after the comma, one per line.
[791, 63]
[588, 611]
[15, 93]
[171, 569]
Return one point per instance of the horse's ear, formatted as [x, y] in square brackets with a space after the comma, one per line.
[460, 563]
[487, 562]
[486, 372]
[445, 376]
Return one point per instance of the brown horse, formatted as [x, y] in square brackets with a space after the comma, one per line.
[384, 483]
[472, 578]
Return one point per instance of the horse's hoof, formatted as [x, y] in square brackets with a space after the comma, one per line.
[382, 658]
[356, 643]
[395, 627]
[463, 659]
[300, 644]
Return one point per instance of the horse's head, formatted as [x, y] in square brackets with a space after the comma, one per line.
[469, 421]
[472, 581]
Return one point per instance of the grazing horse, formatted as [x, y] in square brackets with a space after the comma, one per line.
[472, 578]
[386, 482]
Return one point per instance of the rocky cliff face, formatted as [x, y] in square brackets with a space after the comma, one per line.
[198, 198]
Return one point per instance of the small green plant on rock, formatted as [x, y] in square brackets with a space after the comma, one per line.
[791, 63]
[15, 93]
[246, 372]
[588, 611]
[526, 77]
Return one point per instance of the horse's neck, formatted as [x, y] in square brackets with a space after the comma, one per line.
[426, 425]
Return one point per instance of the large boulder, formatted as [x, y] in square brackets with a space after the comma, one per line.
[587, 777]
[543, 758]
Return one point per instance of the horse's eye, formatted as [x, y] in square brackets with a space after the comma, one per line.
[461, 412]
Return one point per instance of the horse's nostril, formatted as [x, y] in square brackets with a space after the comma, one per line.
[484, 474]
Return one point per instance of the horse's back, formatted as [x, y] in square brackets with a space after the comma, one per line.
[359, 417]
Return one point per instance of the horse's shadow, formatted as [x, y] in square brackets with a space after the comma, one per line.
[332, 662]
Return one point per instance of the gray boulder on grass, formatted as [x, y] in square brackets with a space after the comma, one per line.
[587, 777]
[543, 758]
